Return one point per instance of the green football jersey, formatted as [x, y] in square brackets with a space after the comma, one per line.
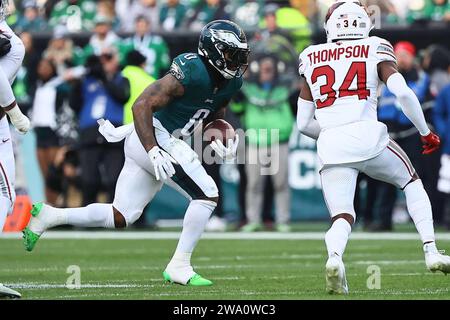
[201, 97]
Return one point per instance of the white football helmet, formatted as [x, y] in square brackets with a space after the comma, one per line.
[347, 20]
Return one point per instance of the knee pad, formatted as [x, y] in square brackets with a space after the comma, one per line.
[211, 190]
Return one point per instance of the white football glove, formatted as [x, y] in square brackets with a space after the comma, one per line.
[227, 153]
[162, 163]
[19, 120]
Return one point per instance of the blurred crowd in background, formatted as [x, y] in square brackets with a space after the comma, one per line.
[171, 15]
[70, 84]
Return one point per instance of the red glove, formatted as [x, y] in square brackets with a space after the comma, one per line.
[431, 143]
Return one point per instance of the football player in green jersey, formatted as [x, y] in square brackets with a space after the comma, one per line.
[198, 85]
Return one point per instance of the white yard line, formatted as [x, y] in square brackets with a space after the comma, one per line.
[31, 285]
[389, 262]
[159, 235]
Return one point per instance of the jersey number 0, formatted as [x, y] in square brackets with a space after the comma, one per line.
[357, 69]
[194, 122]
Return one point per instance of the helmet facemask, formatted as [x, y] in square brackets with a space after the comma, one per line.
[234, 60]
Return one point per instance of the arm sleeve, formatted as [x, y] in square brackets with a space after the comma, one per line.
[305, 119]
[409, 103]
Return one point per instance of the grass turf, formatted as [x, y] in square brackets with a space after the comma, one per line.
[240, 269]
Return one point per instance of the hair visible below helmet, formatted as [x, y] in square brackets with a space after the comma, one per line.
[347, 20]
[224, 44]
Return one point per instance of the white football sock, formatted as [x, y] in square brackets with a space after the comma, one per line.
[419, 208]
[337, 237]
[5, 206]
[430, 248]
[93, 215]
[179, 268]
[195, 220]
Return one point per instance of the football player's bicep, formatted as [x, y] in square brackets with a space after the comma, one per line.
[386, 69]
[305, 92]
[161, 92]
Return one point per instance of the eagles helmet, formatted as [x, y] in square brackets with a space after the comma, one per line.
[224, 45]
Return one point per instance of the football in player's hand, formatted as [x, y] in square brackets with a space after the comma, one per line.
[218, 129]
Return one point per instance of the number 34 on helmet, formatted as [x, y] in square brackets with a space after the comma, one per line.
[224, 44]
[347, 20]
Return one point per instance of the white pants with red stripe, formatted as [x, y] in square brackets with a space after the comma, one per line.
[9, 66]
[392, 165]
[7, 167]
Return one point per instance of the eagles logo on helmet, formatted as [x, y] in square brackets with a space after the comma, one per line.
[224, 44]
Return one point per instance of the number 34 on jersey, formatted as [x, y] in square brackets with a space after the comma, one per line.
[344, 72]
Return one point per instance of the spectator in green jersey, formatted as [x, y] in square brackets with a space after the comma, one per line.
[152, 46]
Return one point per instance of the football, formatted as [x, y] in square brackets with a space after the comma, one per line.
[218, 129]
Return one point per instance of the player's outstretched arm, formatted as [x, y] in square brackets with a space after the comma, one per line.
[388, 73]
[155, 96]
[409, 103]
[305, 114]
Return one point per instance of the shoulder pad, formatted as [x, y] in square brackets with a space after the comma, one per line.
[184, 67]
[383, 49]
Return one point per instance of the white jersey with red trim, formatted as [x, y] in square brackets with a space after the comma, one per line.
[343, 78]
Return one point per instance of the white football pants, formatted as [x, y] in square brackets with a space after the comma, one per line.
[339, 181]
[137, 185]
[9, 66]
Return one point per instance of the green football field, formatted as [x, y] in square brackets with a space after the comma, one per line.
[285, 267]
